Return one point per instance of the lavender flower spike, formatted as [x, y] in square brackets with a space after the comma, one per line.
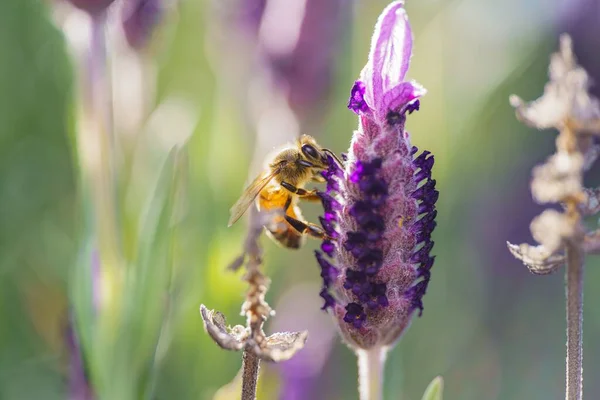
[380, 209]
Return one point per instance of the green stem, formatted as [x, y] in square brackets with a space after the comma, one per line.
[371, 365]
[99, 113]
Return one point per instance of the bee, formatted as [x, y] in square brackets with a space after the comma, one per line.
[280, 187]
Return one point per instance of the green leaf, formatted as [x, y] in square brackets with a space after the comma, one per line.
[154, 267]
[82, 294]
[434, 390]
[129, 367]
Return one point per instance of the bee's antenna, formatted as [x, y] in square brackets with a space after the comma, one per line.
[332, 154]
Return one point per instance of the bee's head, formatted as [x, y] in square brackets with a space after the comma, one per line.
[312, 152]
[315, 155]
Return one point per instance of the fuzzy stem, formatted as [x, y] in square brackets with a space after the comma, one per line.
[574, 293]
[250, 367]
[371, 365]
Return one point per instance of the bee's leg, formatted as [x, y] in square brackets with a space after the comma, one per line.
[287, 205]
[309, 195]
[307, 228]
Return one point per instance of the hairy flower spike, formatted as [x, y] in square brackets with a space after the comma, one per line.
[380, 210]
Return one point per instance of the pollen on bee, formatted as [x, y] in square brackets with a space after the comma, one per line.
[400, 222]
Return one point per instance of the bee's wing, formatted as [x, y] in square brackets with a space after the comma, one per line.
[240, 207]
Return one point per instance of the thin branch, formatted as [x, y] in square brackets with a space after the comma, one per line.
[591, 127]
[567, 106]
[280, 346]
[567, 141]
[250, 367]
[574, 294]
[255, 307]
[256, 346]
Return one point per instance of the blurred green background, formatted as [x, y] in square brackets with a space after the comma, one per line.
[491, 329]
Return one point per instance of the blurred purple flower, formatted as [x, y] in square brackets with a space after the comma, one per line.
[250, 13]
[382, 216]
[298, 41]
[301, 374]
[140, 17]
[93, 7]
[79, 385]
[79, 388]
[579, 18]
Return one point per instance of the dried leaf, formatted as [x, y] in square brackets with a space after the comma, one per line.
[551, 229]
[546, 112]
[537, 259]
[216, 326]
[591, 205]
[282, 346]
[557, 179]
[565, 97]
[589, 148]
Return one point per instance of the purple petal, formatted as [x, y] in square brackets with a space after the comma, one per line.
[357, 98]
[414, 106]
[328, 247]
[401, 96]
[329, 216]
[355, 315]
[79, 384]
[357, 173]
[329, 299]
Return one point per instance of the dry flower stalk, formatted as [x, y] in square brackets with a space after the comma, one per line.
[566, 106]
[251, 338]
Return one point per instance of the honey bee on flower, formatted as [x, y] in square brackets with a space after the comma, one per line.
[280, 186]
